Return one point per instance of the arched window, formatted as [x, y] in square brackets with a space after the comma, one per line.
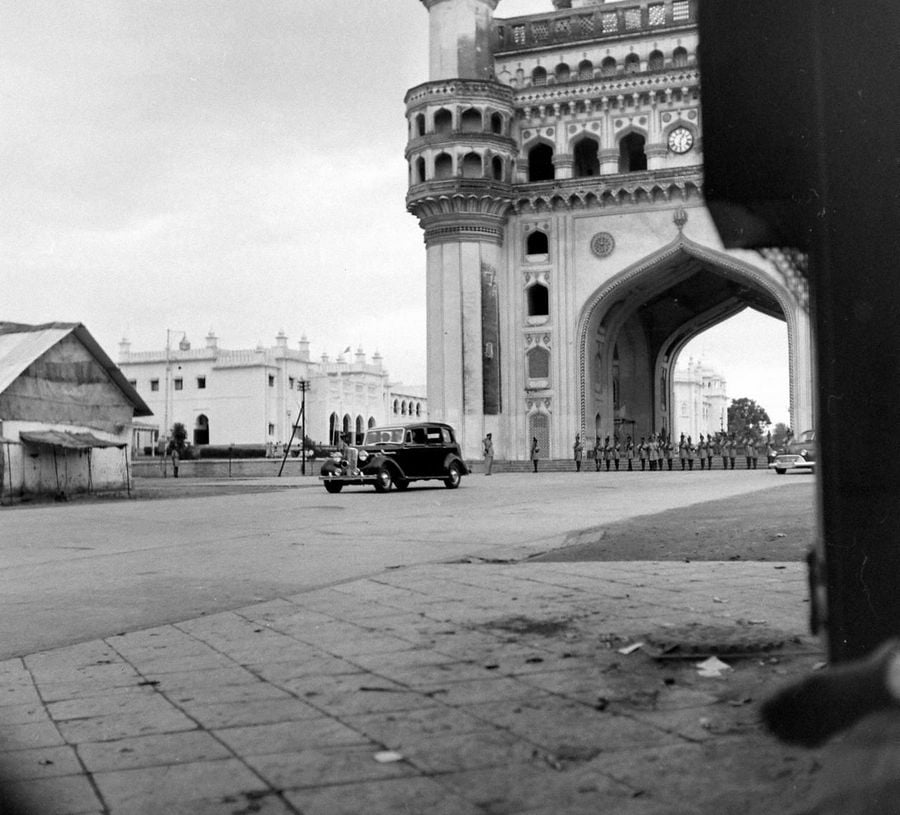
[371, 422]
[538, 297]
[680, 57]
[608, 67]
[537, 244]
[360, 428]
[497, 168]
[538, 363]
[420, 124]
[562, 72]
[418, 408]
[497, 124]
[540, 163]
[632, 157]
[396, 406]
[656, 61]
[539, 76]
[587, 158]
[201, 430]
[443, 166]
[632, 64]
[585, 69]
[419, 175]
[403, 408]
[472, 166]
[346, 423]
[443, 122]
[470, 121]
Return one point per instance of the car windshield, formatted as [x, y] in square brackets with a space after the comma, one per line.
[384, 435]
[807, 436]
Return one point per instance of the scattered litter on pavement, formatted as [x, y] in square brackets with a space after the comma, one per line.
[630, 649]
[388, 757]
[718, 600]
[819, 666]
[376, 689]
[744, 700]
[713, 667]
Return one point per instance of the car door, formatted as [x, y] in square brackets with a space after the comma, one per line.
[413, 457]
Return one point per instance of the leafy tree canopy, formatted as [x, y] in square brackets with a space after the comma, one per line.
[746, 418]
[178, 437]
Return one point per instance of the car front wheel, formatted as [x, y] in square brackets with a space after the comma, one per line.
[454, 476]
[333, 486]
[383, 480]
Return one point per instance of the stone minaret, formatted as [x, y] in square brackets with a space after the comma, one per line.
[461, 163]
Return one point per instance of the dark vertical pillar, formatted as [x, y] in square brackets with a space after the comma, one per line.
[801, 117]
[490, 334]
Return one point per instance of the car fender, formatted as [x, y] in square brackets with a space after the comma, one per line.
[462, 464]
[331, 467]
[379, 460]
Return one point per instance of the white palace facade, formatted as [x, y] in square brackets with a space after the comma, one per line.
[254, 395]
[556, 169]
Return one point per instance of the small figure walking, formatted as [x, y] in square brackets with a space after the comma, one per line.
[173, 454]
[488, 454]
[534, 452]
[578, 452]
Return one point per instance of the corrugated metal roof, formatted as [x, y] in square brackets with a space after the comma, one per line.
[21, 344]
[61, 438]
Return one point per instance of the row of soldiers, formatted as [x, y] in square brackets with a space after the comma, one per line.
[660, 452]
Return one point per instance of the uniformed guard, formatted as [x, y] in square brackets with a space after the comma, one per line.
[616, 452]
[710, 448]
[670, 451]
[578, 452]
[683, 451]
[629, 452]
[642, 453]
[701, 451]
[607, 452]
[598, 454]
[732, 449]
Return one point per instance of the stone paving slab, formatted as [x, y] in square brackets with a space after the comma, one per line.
[500, 688]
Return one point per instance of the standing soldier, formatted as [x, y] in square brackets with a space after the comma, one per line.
[755, 444]
[701, 452]
[710, 449]
[598, 454]
[534, 452]
[607, 452]
[653, 452]
[683, 451]
[732, 449]
[770, 449]
[629, 452]
[670, 451]
[615, 452]
[691, 451]
[578, 452]
[748, 450]
[642, 453]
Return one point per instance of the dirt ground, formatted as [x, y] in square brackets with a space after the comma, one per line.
[777, 524]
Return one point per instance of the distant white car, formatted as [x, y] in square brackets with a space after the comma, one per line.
[800, 454]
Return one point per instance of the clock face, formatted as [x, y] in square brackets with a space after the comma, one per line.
[681, 140]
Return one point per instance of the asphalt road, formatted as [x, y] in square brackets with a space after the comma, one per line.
[89, 569]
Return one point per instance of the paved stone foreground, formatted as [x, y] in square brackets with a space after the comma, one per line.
[439, 689]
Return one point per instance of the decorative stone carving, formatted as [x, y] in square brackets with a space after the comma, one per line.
[793, 266]
[602, 244]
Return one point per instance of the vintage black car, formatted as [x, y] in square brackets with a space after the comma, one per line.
[395, 456]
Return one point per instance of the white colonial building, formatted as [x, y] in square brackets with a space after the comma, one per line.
[699, 400]
[555, 166]
[254, 395]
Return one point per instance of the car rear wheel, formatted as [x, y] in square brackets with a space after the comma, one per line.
[780, 470]
[383, 480]
[333, 486]
[401, 483]
[454, 476]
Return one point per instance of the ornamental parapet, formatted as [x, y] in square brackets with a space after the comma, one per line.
[461, 89]
[617, 190]
[456, 137]
[602, 22]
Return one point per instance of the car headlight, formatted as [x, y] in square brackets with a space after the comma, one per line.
[363, 456]
[803, 452]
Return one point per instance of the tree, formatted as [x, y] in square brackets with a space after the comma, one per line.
[780, 435]
[178, 438]
[746, 418]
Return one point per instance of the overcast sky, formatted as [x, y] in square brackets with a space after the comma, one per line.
[233, 166]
